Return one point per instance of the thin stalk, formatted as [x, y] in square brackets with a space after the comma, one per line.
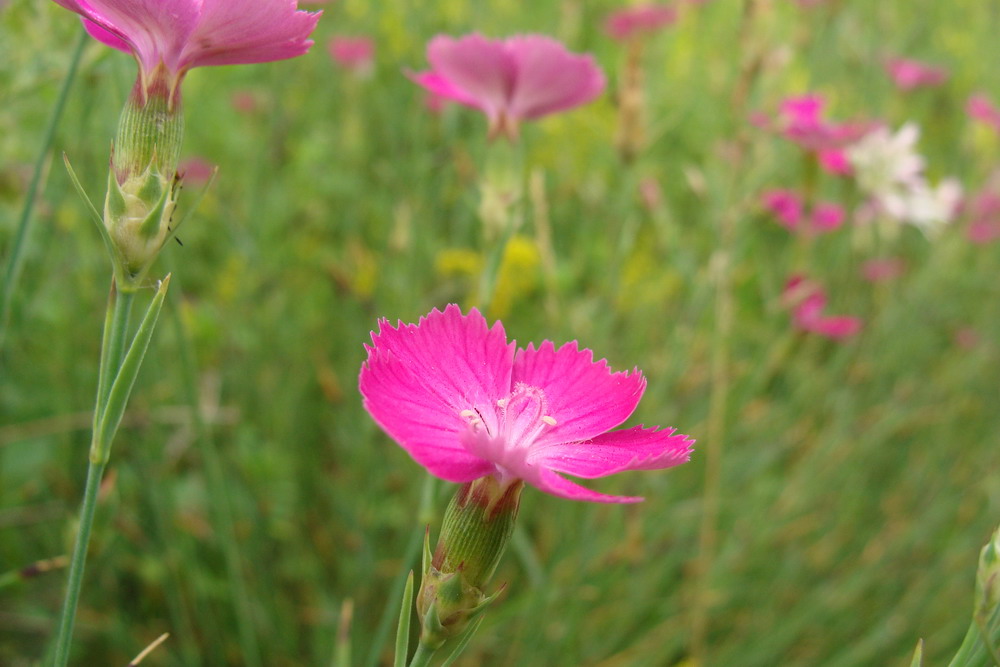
[423, 656]
[78, 560]
[720, 352]
[14, 262]
[222, 504]
[112, 347]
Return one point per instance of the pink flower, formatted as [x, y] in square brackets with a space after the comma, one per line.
[785, 205]
[826, 217]
[980, 108]
[180, 34]
[983, 212]
[883, 269]
[630, 22]
[355, 54]
[909, 74]
[801, 121]
[834, 161]
[518, 78]
[195, 170]
[808, 301]
[788, 208]
[465, 404]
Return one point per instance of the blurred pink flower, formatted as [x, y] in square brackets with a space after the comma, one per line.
[465, 404]
[245, 101]
[980, 108]
[834, 161]
[625, 24]
[908, 74]
[788, 208]
[967, 338]
[785, 205]
[826, 217]
[510, 80]
[808, 301]
[882, 269]
[195, 170]
[983, 213]
[355, 54]
[801, 121]
[176, 35]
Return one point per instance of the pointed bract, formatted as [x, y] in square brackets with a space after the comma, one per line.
[451, 391]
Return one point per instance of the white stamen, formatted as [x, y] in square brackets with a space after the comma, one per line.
[548, 420]
[502, 402]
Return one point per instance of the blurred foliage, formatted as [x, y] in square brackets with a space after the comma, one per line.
[859, 479]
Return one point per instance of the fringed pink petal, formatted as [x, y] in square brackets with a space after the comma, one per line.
[636, 448]
[236, 32]
[437, 85]
[479, 67]
[419, 379]
[549, 78]
[585, 398]
[553, 484]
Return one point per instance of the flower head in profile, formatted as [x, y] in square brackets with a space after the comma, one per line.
[466, 404]
[625, 24]
[910, 74]
[790, 211]
[801, 120]
[169, 37]
[510, 80]
[807, 301]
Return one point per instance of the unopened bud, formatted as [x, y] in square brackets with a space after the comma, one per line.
[477, 527]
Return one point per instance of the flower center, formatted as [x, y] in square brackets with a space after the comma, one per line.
[520, 419]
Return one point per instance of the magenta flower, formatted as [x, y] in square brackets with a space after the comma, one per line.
[789, 210]
[510, 80]
[630, 22]
[785, 205]
[465, 404]
[980, 108]
[808, 301]
[355, 54]
[834, 161]
[181, 34]
[801, 121]
[908, 74]
[883, 269]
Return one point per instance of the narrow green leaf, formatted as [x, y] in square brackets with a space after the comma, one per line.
[122, 386]
[918, 655]
[403, 630]
[94, 214]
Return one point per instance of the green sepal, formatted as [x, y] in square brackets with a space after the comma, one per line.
[158, 216]
[115, 204]
[94, 214]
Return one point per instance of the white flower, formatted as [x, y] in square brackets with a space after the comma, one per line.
[884, 162]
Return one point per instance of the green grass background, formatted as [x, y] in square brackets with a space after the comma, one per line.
[857, 482]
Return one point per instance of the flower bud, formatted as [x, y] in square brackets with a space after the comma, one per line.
[143, 182]
[477, 527]
[988, 577]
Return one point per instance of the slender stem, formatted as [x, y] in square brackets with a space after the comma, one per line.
[112, 354]
[423, 656]
[14, 261]
[94, 473]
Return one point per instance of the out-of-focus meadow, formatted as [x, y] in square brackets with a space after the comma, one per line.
[835, 519]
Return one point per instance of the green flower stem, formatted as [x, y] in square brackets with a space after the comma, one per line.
[116, 375]
[79, 559]
[423, 656]
[13, 269]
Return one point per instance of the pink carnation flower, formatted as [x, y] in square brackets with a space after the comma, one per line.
[510, 80]
[355, 54]
[465, 404]
[808, 301]
[630, 22]
[908, 74]
[785, 205]
[180, 34]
